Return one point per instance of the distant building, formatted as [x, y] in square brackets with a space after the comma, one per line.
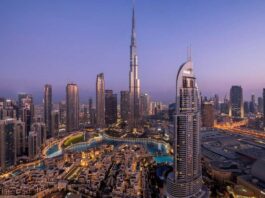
[171, 111]
[92, 113]
[236, 102]
[40, 128]
[10, 132]
[125, 102]
[224, 107]
[260, 104]
[253, 105]
[145, 105]
[216, 103]
[110, 107]
[100, 100]
[264, 108]
[34, 145]
[48, 109]
[246, 107]
[72, 107]
[26, 113]
[55, 123]
[208, 116]
[8, 109]
[62, 112]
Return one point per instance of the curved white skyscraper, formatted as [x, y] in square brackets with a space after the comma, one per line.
[186, 179]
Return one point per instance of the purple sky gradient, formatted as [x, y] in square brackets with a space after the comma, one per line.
[61, 41]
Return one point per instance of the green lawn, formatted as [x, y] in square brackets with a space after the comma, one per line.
[73, 140]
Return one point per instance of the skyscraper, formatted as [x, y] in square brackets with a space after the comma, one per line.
[62, 112]
[125, 102]
[48, 109]
[100, 100]
[246, 107]
[34, 145]
[110, 107]
[72, 107]
[186, 178]
[252, 104]
[10, 131]
[208, 114]
[264, 108]
[236, 109]
[145, 105]
[40, 128]
[55, 123]
[260, 104]
[216, 103]
[92, 112]
[134, 81]
[26, 114]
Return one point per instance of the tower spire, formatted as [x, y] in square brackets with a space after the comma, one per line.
[133, 39]
[189, 53]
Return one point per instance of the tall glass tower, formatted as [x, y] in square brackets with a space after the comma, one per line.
[186, 179]
[72, 107]
[100, 100]
[236, 109]
[48, 109]
[134, 81]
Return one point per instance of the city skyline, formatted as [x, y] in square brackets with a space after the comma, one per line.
[39, 45]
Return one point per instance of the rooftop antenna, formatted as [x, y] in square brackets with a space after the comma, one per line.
[189, 52]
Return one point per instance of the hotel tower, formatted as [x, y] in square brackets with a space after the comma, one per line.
[186, 178]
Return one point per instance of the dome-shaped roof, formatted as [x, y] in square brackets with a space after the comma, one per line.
[257, 169]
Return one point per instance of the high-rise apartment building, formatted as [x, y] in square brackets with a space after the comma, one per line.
[145, 105]
[236, 109]
[110, 107]
[264, 108]
[100, 100]
[34, 145]
[11, 141]
[62, 112]
[208, 116]
[48, 109]
[252, 104]
[55, 123]
[260, 104]
[72, 107]
[92, 113]
[125, 102]
[186, 178]
[41, 130]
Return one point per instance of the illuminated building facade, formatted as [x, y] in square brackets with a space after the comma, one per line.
[110, 107]
[10, 131]
[236, 108]
[55, 123]
[100, 100]
[125, 101]
[264, 108]
[48, 109]
[186, 178]
[134, 81]
[72, 107]
[34, 145]
[40, 128]
[208, 114]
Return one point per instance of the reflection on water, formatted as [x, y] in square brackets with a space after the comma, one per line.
[158, 150]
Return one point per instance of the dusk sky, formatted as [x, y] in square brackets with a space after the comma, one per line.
[61, 41]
